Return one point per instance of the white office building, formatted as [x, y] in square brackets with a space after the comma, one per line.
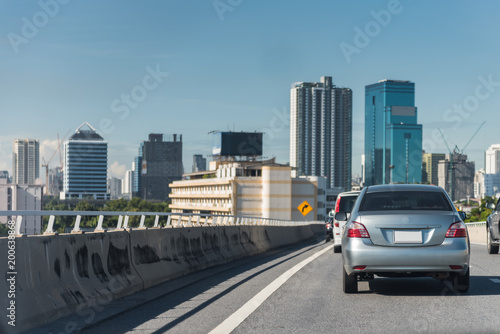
[492, 159]
[86, 165]
[487, 180]
[127, 184]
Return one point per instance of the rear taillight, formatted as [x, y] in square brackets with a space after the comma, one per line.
[337, 205]
[359, 267]
[336, 224]
[356, 230]
[328, 225]
[457, 230]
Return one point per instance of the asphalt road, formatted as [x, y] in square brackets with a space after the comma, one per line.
[309, 299]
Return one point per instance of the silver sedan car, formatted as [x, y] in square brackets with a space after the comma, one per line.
[402, 230]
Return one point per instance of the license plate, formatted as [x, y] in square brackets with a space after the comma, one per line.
[407, 237]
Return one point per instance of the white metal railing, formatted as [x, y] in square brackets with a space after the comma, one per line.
[173, 220]
[475, 224]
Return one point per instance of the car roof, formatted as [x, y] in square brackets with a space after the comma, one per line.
[403, 187]
[349, 193]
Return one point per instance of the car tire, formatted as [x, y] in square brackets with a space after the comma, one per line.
[461, 282]
[337, 249]
[492, 249]
[327, 238]
[350, 282]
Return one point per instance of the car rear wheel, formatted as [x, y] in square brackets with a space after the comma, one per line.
[337, 249]
[350, 282]
[461, 282]
[492, 249]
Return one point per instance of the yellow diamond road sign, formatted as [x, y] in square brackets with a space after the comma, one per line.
[304, 208]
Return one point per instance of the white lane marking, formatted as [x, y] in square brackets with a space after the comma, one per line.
[234, 320]
[495, 280]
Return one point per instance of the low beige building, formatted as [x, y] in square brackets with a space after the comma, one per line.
[262, 189]
[22, 197]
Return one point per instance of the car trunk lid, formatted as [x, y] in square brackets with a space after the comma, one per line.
[407, 228]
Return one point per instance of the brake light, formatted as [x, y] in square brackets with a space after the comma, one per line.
[457, 230]
[357, 230]
[336, 224]
[359, 267]
[337, 205]
[455, 267]
[328, 225]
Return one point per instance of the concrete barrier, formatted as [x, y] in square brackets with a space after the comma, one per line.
[477, 232]
[71, 273]
[63, 274]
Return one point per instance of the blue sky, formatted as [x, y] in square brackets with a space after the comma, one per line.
[229, 64]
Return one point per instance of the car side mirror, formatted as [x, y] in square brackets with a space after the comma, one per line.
[462, 215]
[491, 206]
[341, 216]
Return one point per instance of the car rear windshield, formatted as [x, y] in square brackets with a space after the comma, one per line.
[347, 203]
[405, 200]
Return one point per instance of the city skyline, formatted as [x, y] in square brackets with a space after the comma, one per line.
[131, 69]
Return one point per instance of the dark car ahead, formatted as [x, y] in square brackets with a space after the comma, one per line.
[329, 229]
[493, 229]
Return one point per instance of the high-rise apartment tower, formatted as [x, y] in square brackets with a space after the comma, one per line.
[25, 161]
[321, 131]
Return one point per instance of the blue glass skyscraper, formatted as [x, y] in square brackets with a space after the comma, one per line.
[393, 139]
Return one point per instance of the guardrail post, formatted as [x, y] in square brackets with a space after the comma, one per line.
[99, 224]
[120, 221]
[157, 220]
[169, 221]
[179, 221]
[76, 229]
[19, 220]
[143, 218]
[198, 220]
[189, 221]
[50, 226]
[125, 222]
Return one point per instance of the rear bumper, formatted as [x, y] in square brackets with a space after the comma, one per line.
[337, 233]
[407, 259]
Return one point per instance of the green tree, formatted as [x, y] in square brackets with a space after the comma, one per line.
[482, 212]
[4, 230]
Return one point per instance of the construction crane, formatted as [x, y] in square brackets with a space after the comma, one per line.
[457, 150]
[47, 162]
[46, 165]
